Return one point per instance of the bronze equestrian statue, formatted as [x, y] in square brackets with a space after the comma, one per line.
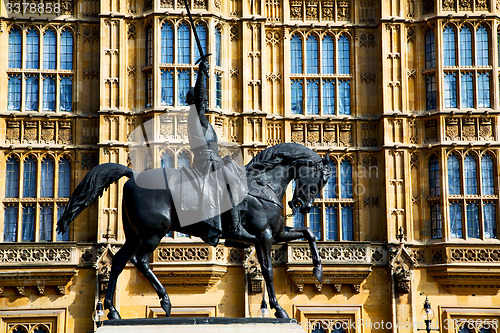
[248, 214]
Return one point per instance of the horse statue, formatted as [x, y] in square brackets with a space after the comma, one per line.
[149, 214]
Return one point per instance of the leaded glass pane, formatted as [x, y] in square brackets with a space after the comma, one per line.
[331, 185]
[472, 220]
[29, 178]
[456, 220]
[201, 30]
[12, 178]
[15, 48]
[328, 97]
[31, 93]
[28, 224]
[296, 54]
[297, 98]
[490, 223]
[32, 49]
[465, 46]
[331, 223]
[14, 93]
[345, 97]
[453, 175]
[167, 87]
[430, 49]
[450, 90]
[482, 46]
[167, 160]
[149, 45]
[10, 224]
[487, 175]
[218, 91]
[436, 221]
[167, 44]
[434, 189]
[470, 167]
[328, 55]
[347, 224]
[483, 90]
[49, 49]
[66, 96]
[449, 46]
[46, 223]
[315, 222]
[344, 55]
[345, 179]
[183, 83]
[62, 237]
[64, 185]
[312, 97]
[218, 47]
[49, 93]
[184, 44]
[66, 50]
[47, 181]
[183, 160]
[467, 100]
[430, 92]
[298, 221]
[312, 54]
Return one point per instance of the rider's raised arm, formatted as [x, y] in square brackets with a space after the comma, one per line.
[200, 88]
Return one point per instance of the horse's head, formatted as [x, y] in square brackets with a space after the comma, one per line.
[309, 180]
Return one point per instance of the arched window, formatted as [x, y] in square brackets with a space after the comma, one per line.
[467, 100]
[297, 98]
[470, 170]
[456, 220]
[430, 49]
[344, 97]
[149, 45]
[312, 54]
[328, 97]
[167, 160]
[47, 181]
[331, 185]
[31, 93]
[183, 83]
[28, 224]
[49, 93]
[149, 90]
[346, 179]
[218, 91]
[183, 160]
[167, 44]
[487, 175]
[14, 93]
[29, 178]
[184, 42]
[344, 55]
[449, 46]
[218, 47]
[32, 49]
[482, 46]
[19, 329]
[10, 224]
[483, 90]
[66, 94]
[450, 90]
[64, 175]
[62, 237]
[328, 55]
[465, 46]
[430, 92]
[49, 49]
[472, 220]
[331, 222]
[41, 329]
[202, 35]
[312, 96]
[453, 175]
[436, 232]
[434, 190]
[66, 49]
[15, 48]
[167, 87]
[315, 222]
[347, 223]
[12, 178]
[46, 213]
[296, 54]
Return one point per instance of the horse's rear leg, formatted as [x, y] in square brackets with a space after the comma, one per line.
[263, 249]
[118, 263]
[142, 263]
[297, 233]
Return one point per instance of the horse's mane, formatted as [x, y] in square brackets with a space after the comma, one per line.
[275, 155]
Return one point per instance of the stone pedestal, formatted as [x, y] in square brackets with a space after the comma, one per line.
[201, 325]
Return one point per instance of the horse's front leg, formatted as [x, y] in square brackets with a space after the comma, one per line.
[263, 248]
[297, 233]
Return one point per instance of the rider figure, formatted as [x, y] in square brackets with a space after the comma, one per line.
[204, 145]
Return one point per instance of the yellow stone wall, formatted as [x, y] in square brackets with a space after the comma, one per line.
[388, 137]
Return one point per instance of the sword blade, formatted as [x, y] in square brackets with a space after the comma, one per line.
[198, 42]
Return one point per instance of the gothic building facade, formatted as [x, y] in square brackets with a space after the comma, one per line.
[403, 95]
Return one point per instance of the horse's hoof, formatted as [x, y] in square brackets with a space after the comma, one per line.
[113, 314]
[166, 306]
[280, 313]
[318, 273]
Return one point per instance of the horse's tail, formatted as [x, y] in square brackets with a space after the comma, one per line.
[92, 186]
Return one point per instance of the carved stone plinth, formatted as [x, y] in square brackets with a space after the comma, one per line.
[190, 278]
[200, 325]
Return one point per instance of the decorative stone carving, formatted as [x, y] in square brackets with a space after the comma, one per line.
[469, 129]
[368, 77]
[329, 133]
[312, 10]
[449, 5]
[452, 129]
[255, 276]
[166, 126]
[35, 255]
[371, 201]
[427, 6]
[298, 133]
[485, 129]
[13, 131]
[377, 256]
[402, 279]
[131, 31]
[331, 253]
[183, 254]
[345, 135]
[30, 132]
[296, 9]
[431, 130]
[167, 3]
[343, 10]
[48, 133]
[64, 133]
[313, 134]
[202, 4]
[89, 160]
[475, 255]
[327, 10]
[233, 32]
[465, 5]
[273, 37]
